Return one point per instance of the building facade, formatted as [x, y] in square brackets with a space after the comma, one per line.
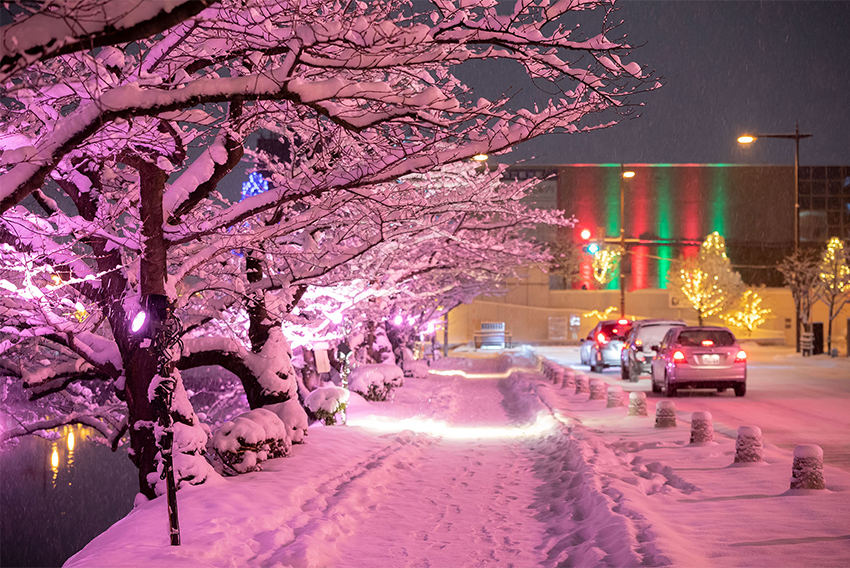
[670, 208]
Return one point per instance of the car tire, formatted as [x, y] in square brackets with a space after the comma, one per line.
[740, 389]
[656, 388]
[624, 372]
[721, 389]
[633, 376]
[596, 368]
[669, 387]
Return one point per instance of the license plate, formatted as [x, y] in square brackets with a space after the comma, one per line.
[711, 359]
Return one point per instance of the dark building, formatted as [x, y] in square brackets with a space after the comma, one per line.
[670, 208]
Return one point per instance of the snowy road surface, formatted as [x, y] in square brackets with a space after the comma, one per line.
[509, 470]
[794, 400]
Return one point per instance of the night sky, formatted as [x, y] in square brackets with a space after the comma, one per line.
[728, 67]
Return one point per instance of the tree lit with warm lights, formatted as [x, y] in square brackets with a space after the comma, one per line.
[707, 283]
[748, 314]
[834, 281]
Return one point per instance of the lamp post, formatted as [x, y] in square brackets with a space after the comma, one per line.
[796, 137]
[624, 175]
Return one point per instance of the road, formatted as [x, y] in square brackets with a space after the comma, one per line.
[794, 400]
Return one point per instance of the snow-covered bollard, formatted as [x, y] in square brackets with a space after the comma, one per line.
[665, 414]
[748, 446]
[582, 384]
[615, 396]
[807, 471]
[569, 379]
[702, 429]
[558, 375]
[597, 389]
[637, 404]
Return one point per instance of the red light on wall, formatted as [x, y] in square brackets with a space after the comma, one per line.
[585, 234]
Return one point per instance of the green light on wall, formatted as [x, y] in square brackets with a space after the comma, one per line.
[664, 216]
[719, 199]
[612, 214]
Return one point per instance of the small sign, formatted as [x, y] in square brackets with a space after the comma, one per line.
[787, 323]
[575, 321]
[323, 364]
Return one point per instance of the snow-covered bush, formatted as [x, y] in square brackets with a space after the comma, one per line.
[375, 382]
[418, 369]
[251, 438]
[293, 416]
[326, 402]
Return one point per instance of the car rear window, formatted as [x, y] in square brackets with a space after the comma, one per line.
[653, 334]
[695, 338]
[615, 330]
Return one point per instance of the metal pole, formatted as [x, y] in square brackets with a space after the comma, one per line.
[797, 220]
[622, 246]
[446, 334]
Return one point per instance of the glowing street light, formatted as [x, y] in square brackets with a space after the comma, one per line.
[138, 321]
[480, 157]
[585, 234]
[398, 320]
[628, 174]
[796, 137]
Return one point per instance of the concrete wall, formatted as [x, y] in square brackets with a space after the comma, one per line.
[528, 306]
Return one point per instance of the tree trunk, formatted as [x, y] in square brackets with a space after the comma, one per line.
[143, 361]
[829, 328]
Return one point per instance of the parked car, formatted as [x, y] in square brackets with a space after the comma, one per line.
[602, 346]
[699, 357]
[641, 344]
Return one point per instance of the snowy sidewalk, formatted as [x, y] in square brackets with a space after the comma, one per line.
[471, 472]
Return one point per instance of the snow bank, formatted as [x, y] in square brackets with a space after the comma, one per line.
[376, 382]
[241, 445]
[328, 401]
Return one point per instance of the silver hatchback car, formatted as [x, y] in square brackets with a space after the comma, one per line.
[699, 357]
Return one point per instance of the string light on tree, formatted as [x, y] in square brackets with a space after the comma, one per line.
[750, 315]
[834, 285]
[603, 315]
[604, 263]
[707, 282]
[255, 185]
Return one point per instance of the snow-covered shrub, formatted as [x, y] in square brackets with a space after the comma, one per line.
[375, 382]
[293, 416]
[326, 402]
[248, 440]
[418, 369]
[807, 471]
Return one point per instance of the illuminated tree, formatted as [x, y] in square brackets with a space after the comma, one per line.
[605, 262]
[120, 118]
[707, 282]
[748, 314]
[834, 281]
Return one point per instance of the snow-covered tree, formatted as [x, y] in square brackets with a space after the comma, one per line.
[707, 283]
[800, 271]
[121, 131]
[834, 281]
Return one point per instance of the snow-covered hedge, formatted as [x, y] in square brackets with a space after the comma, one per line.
[375, 382]
[242, 444]
[293, 416]
[326, 402]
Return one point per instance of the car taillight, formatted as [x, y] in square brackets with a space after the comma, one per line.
[638, 342]
[678, 357]
[623, 321]
[741, 357]
[601, 338]
[707, 343]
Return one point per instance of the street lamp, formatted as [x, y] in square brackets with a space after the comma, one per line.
[624, 175]
[796, 137]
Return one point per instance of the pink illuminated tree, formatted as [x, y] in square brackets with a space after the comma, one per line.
[119, 121]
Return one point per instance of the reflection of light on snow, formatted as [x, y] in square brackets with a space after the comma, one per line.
[542, 425]
[502, 375]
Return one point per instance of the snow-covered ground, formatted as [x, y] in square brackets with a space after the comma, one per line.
[487, 467]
